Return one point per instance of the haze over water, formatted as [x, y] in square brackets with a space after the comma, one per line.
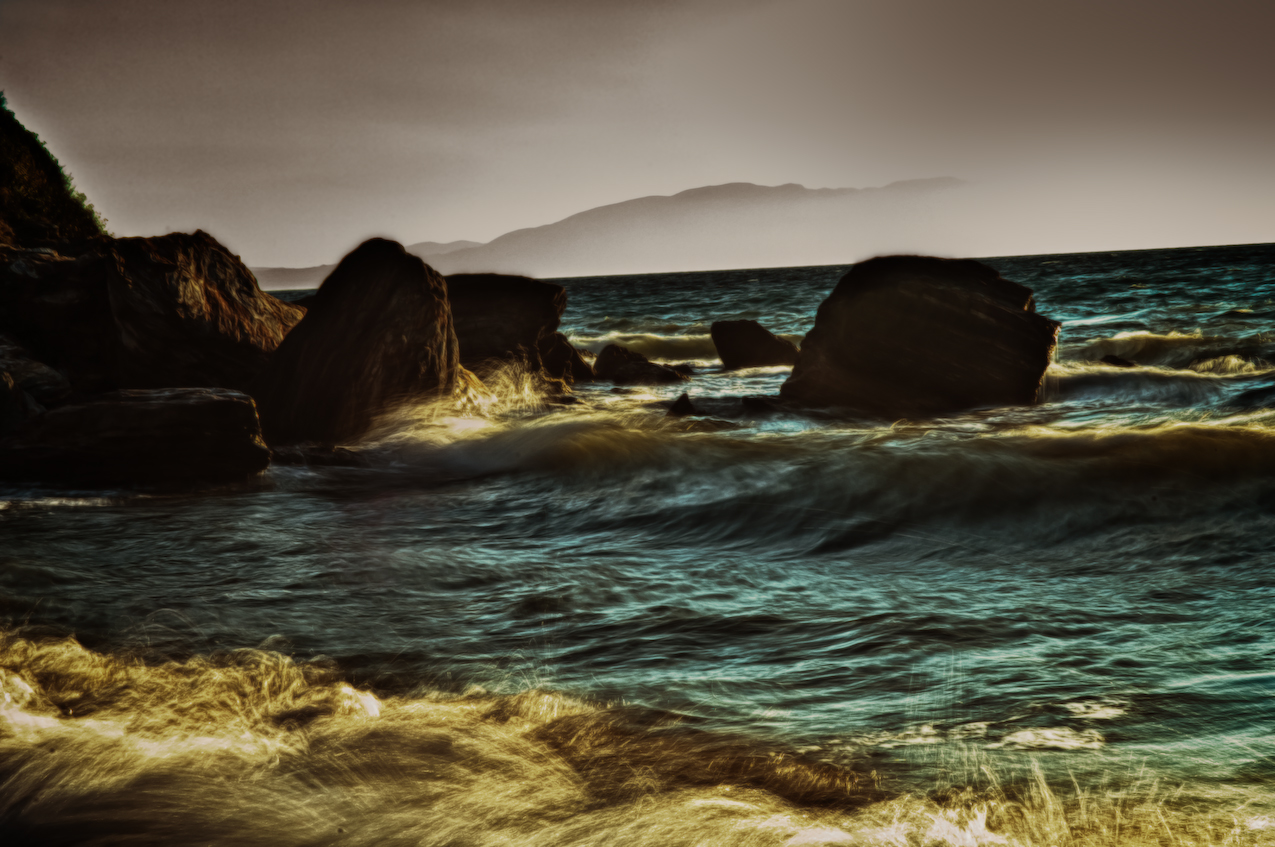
[592, 624]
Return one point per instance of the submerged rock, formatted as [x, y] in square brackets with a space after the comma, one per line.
[748, 344]
[628, 367]
[682, 407]
[141, 435]
[171, 311]
[378, 334]
[917, 335]
[503, 317]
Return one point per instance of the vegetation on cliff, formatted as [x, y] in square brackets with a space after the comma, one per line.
[38, 202]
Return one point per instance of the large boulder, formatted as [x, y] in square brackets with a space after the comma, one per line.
[500, 317]
[917, 335]
[377, 334]
[170, 311]
[748, 344]
[174, 434]
[628, 367]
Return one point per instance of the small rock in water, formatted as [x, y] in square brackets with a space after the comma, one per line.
[748, 344]
[621, 365]
[1118, 362]
[681, 407]
[563, 361]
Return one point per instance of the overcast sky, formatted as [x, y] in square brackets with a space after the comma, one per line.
[293, 130]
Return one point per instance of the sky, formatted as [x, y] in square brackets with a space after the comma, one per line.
[293, 130]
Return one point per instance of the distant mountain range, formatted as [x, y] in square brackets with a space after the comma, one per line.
[737, 225]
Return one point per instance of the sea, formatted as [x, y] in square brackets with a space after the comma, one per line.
[541, 623]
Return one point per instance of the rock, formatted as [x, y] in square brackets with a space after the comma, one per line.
[626, 367]
[45, 385]
[188, 312]
[1118, 362]
[916, 335]
[747, 344]
[378, 334]
[503, 317]
[758, 404]
[15, 404]
[59, 308]
[683, 368]
[681, 407]
[563, 361]
[171, 311]
[141, 436]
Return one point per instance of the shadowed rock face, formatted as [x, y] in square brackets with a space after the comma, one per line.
[748, 344]
[500, 316]
[916, 335]
[562, 361]
[171, 311]
[188, 312]
[149, 435]
[378, 333]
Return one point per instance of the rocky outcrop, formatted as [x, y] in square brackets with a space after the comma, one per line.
[562, 361]
[171, 311]
[378, 333]
[499, 317]
[682, 407]
[627, 367]
[748, 344]
[916, 335]
[177, 434]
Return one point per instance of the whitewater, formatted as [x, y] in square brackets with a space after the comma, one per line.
[543, 623]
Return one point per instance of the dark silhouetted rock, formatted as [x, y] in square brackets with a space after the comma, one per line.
[684, 368]
[378, 334]
[627, 367]
[759, 404]
[682, 407]
[503, 317]
[748, 344]
[139, 436]
[15, 404]
[915, 335]
[171, 311]
[46, 385]
[38, 204]
[563, 361]
[1117, 362]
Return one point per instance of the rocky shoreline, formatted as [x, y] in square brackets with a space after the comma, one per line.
[161, 358]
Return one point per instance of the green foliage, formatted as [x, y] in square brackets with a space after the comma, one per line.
[39, 203]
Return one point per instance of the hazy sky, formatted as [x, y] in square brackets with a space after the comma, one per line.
[292, 130]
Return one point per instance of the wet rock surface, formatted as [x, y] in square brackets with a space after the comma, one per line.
[502, 317]
[628, 367]
[917, 335]
[748, 344]
[377, 334]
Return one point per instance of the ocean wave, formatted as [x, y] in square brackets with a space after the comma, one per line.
[669, 348]
[1075, 382]
[1172, 349]
[250, 747]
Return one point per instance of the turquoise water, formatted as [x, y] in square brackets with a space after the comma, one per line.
[1057, 617]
